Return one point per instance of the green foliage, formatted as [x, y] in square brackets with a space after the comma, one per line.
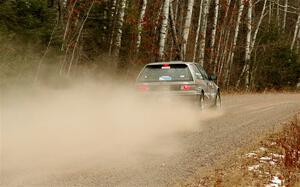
[25, 29]
[270, 34]
[275, 65]
[279, 67]
[28, 19]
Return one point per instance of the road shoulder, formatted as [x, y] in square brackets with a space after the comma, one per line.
[273, 161]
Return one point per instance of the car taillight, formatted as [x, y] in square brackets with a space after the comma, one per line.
[186, 87]
[143, 88]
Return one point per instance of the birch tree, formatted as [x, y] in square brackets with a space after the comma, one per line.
[258, 26]
[214, 30]
[139, 27]
[78, 37]
[278, 13]
[163, 29]
[187, 25]
[156, 32]
[174, 34]
[223, 55]
[248, 44]
[270, 12]
[231, 37]
[173, 21]
[120, 22]
[225, 27]
[67, 27]
[235, 37]
[246, 68]
[296, 32]
[206, 4]
[198, 31]
[298, 42]
[284, 14]
[113, 15]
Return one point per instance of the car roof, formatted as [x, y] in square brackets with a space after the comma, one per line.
[170, 62]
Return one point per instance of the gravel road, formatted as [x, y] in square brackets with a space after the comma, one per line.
[244, 118]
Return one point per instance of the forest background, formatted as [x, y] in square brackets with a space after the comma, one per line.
[248, 44]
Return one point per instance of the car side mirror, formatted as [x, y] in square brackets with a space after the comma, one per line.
[212, 77]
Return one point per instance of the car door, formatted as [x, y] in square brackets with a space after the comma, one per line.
[210, 84]
[201, 81]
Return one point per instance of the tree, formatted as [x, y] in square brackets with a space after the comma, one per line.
[120, 22]
[139, 27]
[164, 29]
[214, 30]
[187, 26]
[235, 38]
[230, 38]
[203, 29]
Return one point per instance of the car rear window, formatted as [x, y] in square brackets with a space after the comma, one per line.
[165, 72]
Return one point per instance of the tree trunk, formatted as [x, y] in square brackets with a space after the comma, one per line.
[258, 26]
[298, 43]
[140, 27]
[60, 11]
[236, 33]
[173, 20]
[67, 26]
[246, 68]
[270, 12]
[206, 5]
[214, 30]
[112, 24]
[186, 27]
[222, 35]
[198, 31]
[296, 32]
[163, 29]
[252, 41]
[156, 33]
[174, 34]
[278, 13]
[284, 14]
[78, 37]
[120, 22]
[223, 56]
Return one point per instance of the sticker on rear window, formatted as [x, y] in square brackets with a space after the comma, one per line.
[165, 78]
[165, 67]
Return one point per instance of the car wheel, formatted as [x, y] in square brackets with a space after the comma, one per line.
[218, 102]
[200, 102]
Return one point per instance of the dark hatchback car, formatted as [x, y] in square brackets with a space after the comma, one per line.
[184, 79]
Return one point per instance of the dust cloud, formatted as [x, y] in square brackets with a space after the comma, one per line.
[46, 131]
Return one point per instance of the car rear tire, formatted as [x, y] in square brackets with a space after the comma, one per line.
[218, 101]
[200, 102]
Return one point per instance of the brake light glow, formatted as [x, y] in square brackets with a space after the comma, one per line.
[143, 88]
[166, 66]
[186, 87]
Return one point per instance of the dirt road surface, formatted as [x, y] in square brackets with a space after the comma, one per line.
[243, 119]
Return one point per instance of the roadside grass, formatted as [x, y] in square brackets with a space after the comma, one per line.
[234, 91]
[274, 161]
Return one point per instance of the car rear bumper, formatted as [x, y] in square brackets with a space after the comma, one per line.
[172, 96]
